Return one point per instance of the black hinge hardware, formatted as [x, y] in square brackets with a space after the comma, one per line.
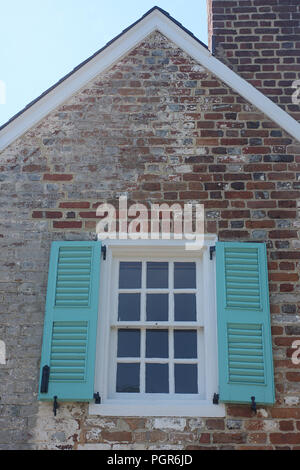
[212, 249]
[216, 399]
[253, 404]
[103, 250]
[97, 398]
[45, 379]
[55, 405]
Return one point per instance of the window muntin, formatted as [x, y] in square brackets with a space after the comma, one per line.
[157, 331]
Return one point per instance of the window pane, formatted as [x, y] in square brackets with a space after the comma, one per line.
[157, 343]
[128, 378]
[186, 378]
[130, 275]
[185, 344]
[157, 378]
[129, 343]
[129, 307]
[157, 307]
[184, 275]
[185, 307]
[157, 275]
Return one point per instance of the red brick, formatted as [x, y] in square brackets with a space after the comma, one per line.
[37, 214]
[280, 277]
[235, 214]
[285, 195]
[286, 425]
[75, 205]
[293, 376]
[285, 438]
[280, 214]
[72, 224]
[238, 195]
[283, 234]
[255, 224]
[229, 438]
[57, 177]
[53, 215]
[217, 424]
[116, 436]
[88, 215]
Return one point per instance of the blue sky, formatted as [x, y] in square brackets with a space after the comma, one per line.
[43, 40]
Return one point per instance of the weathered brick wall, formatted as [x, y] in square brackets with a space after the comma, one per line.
[159, 128]
[260, 40]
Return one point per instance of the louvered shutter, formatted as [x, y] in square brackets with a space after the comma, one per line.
[70, 324]
[244, 332]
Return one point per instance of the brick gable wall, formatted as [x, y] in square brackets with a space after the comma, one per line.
[261, 42]
[159, 128]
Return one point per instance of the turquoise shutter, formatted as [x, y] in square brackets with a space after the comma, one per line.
[70, 325]
[244, 331]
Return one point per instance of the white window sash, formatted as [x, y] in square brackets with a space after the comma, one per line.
[114, 404]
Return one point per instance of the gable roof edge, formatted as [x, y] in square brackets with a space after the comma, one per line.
[154, 19]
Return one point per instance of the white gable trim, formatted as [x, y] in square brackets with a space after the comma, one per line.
[155, 20]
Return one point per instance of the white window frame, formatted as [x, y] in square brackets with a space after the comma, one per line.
[185, 405]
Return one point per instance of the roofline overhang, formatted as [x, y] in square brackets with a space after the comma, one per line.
[113, 51]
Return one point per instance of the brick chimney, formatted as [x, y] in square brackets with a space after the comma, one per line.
[260, 40]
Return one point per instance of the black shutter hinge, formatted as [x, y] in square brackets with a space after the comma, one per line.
[216, 399]
[212, 249]
[103, 251]
[45, 379]
[97, 398]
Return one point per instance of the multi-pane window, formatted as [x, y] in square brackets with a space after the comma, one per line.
[157, 329]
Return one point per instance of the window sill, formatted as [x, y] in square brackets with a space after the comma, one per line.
[201, 409]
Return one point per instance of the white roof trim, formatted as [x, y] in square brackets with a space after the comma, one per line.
[155, 20]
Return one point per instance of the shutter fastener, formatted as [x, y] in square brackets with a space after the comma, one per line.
[103, 250]
[212, 249]
[253, 404]
[216, 399]
[55, 405]
[97, 398]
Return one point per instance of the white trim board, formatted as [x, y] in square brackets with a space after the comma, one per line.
[122, 45]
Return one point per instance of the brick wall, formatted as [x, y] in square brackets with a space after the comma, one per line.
[159, 128]
[260, 40]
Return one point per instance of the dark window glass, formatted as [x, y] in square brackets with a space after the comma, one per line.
[129, 307]
[130, 275]
[157, 343]
[157, 307]
[128, 378]
[185, 344]
[129, 343]
[184, 275]
[157, 275]
[186, 378]
[157, 378]
[185, 307]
